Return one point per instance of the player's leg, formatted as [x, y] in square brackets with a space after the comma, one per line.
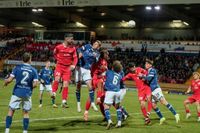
[57, 76]
[109, 99]
[158, 112]
[186, 103]
[171, 108]
[25, 121]
[91, 94]
[141, 98]
[117, 100]
[101, 106]
[27, 105]
[87, 78]
[49, 90]
[78, 87]
[149, 100]
[66, 78]
[9, 119]
[40, 95]
[87, 107]
[65, 94]
[13, 105]
[197, 103]
[124, 112]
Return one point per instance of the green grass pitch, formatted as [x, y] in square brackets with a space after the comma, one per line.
[59, 120]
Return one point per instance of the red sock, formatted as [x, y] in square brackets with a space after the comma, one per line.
[87, 105]
[65, 93]
[55, 86]
[102, 108]
[198, 114]
[187, 111]
[144, 112]
[149, 107]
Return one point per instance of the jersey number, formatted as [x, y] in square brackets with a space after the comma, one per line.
[115, 80]
[26, 76]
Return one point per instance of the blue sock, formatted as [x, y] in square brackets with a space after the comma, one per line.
[26, 123]
[78, 95]
[119, 114]
[170, 107]
[40, 101]
[157, 110]
[8, 121]
[107, 114]
[124, 110]
[91, 95]
[53, 100]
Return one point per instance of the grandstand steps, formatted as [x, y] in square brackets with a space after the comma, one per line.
[12, 54]
[189, 80]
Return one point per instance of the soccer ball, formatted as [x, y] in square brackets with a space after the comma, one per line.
[131, 23]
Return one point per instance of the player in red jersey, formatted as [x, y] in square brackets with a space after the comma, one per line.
[144, 91]
[66, 57]
[98, 71]
[195, 98]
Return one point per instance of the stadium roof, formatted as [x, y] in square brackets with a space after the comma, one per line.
[59, 16]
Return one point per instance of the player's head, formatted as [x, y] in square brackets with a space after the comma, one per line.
[131, 67]
[196, 75]
[104, 54]
[47, 63]
[96, 44]
[27, 58]
[148, 63]
[69, 39]
[117, 66]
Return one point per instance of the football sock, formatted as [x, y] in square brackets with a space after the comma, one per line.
[65, 93]
[78, 95]
[25, 123]
[170, 107]
[157, 110]
[144, 111]
[119, 114]
[107, 114]
[149, 107]
[55, 86]
[87, 105]
[8, 121]
[91, 93]
[123, 110]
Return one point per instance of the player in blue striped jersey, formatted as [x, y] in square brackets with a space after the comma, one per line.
[157, 95]
[26, 79]
[46, 78]
[113, 93]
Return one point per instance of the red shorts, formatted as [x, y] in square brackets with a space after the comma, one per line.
[194, 98]
[63, 71]
[144, 93]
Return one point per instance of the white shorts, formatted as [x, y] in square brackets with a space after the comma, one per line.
[82, 74]
[46, 87]
[112, 97]
[16, 102]
[157, 95]
[122, 94]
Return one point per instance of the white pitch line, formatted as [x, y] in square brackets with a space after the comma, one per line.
[74, 117]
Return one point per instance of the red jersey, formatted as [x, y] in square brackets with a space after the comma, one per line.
[65, 55]
[195, 86]
[98, 69]
[134, 76]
